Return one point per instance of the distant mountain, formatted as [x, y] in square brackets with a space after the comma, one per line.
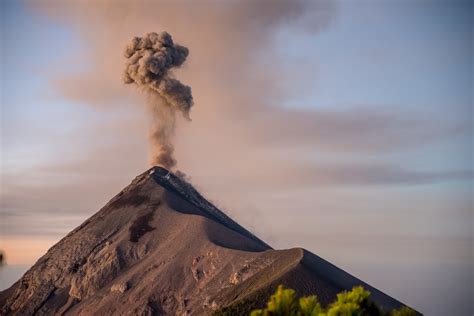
[160, 248]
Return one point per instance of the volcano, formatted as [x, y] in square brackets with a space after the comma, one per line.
[160, 248]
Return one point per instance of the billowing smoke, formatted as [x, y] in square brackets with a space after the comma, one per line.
[149, 61]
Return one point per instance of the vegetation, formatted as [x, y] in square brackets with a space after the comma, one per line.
[354, 303]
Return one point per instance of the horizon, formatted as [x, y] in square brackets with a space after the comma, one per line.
[345, 129]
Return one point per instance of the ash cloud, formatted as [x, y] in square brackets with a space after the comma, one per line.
[150, 60]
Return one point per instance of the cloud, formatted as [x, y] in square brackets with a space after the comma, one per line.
[357, 128]
[240, 134]
[230, 69]
[238, 126]
[225, 37]
[334, 173]
[149, 63]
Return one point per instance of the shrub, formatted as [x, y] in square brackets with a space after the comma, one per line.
[353, 303]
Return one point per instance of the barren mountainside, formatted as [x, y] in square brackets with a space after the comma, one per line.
[160, 248]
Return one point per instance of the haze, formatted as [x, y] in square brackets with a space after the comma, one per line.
[343, 128]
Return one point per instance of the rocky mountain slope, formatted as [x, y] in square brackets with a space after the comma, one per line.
[159, 247]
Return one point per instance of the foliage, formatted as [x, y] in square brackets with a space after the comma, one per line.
[284, 302]
[353, 303]
[403, 311]
[309, 306]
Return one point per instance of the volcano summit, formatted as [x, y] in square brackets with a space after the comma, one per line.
[160, 248]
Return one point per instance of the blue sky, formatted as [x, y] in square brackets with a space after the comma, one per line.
[31, 43]
[407, 63]
[425, 57]
[369, 56]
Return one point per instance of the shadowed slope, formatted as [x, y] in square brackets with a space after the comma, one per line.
[159, 247]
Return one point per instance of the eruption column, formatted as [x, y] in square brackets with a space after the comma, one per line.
[149, 62]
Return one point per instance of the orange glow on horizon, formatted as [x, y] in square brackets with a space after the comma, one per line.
[25, 251]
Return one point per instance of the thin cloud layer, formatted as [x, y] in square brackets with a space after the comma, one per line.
[353, 168]
[236, 92]
[239, 132]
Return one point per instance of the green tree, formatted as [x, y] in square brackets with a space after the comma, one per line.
[309, 306]
[285, 303]
[353, 303]
[282, 303]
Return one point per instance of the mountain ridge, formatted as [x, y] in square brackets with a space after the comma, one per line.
[160, 248]
[197, 199]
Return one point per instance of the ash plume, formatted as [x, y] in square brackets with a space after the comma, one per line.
[149, 62]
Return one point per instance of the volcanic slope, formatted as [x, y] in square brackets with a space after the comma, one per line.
[160, 248]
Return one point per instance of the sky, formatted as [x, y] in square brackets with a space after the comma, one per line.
[345, 128]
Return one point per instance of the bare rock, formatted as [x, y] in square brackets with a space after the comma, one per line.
[181, 254]
[120, 287]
